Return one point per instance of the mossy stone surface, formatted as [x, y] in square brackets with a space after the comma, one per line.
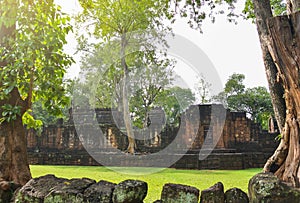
[267, 188]
[99, 192]
[50, 189]
[236, 195]
[130, 191]
[214, 194]
[173, 193]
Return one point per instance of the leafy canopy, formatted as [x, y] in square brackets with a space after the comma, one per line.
[114, 18]
[32, 54]
[256, 101]
[126, 33]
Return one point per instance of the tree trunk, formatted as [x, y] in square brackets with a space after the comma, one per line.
[14, 166]
[285, 50]
[280, 43]
[146, 136]
[263, 11]
[126, 112]
[292, 6]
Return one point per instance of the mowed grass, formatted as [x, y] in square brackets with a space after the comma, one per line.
[201, 179]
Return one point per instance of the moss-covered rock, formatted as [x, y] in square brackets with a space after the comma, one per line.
[236, 195]
[37, 189]
[267, 188]
[173, 193]
[214, 194]
[130, 191]
[99, 192]
[52, 189]
[69, 191]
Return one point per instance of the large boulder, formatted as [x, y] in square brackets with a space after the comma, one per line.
[130, 191]
[173, 193]
[37, 189]
[70, 191]
[214, 194]
[52, 189]
[236, 195]
[100, 192]
[267, 188]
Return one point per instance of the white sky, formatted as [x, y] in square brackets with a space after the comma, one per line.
[231, 48]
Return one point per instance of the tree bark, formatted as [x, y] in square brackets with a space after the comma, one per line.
[280, 42]
[285, 50]
[126, 112]
[292, 6]
[263, 11]
[13, 147]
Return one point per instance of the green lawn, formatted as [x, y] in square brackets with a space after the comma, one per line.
[201, 179]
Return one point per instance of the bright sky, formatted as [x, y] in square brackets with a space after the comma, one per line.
[231, 48]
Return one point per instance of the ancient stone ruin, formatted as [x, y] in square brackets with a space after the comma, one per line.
[242, 144]
[239, 143]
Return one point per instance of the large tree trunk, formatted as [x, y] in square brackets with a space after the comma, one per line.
[13, 147]
[285, 50]
[14, 167]
[280, 40]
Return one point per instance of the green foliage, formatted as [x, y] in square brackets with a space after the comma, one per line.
[249, 10]
[129, 32]
[30, 122]
[8, 13]
[149, 81]
[234, 84]
[10, 113]
[263, 117]
[233, 87]
[198, 11]
[39, 113]
[114, 18]
[278, 137]
[203, 88]
[174, 101]
[33, 53]
[256, 102]
[278, 8]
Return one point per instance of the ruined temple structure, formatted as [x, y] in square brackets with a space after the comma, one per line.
[233, 140]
